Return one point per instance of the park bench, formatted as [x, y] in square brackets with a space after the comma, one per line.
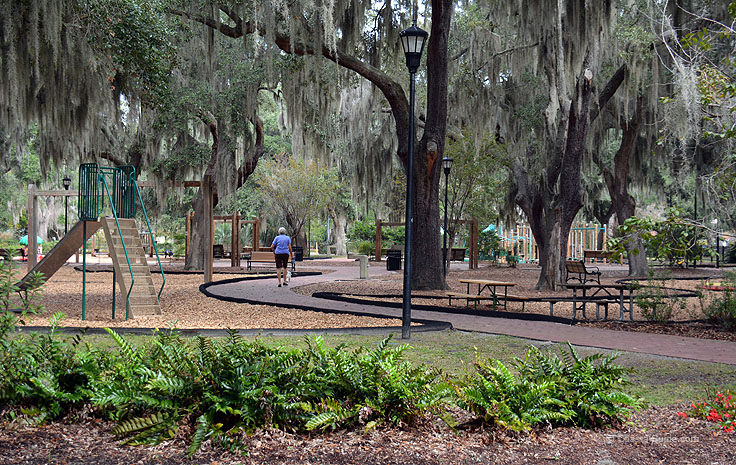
[577, 270]
[264, 257]
[597, 254]
[476, 298]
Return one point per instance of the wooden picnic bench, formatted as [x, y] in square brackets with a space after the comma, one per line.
[264, 257]
[578, 268]
[490, 286]
[603, 295]
[477, 298]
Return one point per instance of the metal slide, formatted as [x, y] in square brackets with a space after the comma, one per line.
[66, 247]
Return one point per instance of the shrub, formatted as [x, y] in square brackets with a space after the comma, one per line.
[43, 372]
[366, 247]
[548, 389]
[730, 253]
[489, 244]
[654, 299]
[371, 387]
[720, 306]
[719, 408]
[233, 386]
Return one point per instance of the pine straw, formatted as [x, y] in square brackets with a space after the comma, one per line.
[182, 303]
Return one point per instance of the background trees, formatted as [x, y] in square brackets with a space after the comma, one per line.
[633, 100]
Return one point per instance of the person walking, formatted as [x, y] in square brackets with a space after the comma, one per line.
[281, 247]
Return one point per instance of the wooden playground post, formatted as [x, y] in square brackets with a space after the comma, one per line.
[209, 228]
[256, 233]
[474, 237]
[378, 239]
[32, 226]
[187, 233]
[235, 240]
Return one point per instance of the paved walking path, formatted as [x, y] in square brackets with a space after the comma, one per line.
[266, 292]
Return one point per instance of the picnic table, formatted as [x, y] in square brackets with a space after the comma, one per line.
[491, 287]
[602, 295]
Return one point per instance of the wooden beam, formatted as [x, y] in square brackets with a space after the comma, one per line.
[172, 184]
[378, 239]
[235, 240]
[256, 233]
[187, 233]
[209, 230]
[58, 193]
[32, 226]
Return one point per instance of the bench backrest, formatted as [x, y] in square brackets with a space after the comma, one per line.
[574, 266]
[262, 256]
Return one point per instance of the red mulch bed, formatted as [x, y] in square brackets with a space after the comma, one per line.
[655, 435]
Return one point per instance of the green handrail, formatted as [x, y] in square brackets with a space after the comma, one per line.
[125, 249]
[150, 232]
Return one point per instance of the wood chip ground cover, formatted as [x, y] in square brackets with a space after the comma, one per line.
[652, 436]
[182, 303]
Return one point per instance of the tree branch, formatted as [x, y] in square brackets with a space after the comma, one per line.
[611, 87]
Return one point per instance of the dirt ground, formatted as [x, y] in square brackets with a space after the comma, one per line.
[181, 303]
[652, 436]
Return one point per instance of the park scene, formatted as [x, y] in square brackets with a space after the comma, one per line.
[442, 232]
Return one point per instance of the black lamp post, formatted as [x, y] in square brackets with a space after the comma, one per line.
[446, 165]
[412, 40]
[67, 182]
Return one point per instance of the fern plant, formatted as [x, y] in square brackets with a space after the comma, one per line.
[371, 387]
[547, 390]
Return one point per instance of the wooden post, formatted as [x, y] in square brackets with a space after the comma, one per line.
[187, 233]
[474, 236]
[208, 239]
[235, 240]
[32, 226]
[378, 239]
[256, 233]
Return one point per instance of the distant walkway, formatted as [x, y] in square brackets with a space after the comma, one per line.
[264, 291]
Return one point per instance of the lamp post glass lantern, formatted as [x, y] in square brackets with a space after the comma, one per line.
[66, 182]
[412, 41]
[446, 165]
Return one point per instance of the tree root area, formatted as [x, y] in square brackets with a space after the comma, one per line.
[654, 435]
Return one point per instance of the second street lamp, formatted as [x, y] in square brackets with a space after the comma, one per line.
[446, 165]
[67, 182]
[412, 41]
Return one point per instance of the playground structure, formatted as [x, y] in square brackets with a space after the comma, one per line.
[125, 247]
[519, 240]
[236, 222]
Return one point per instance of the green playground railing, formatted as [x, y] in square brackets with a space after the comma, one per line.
[150, 232]
[103, 182]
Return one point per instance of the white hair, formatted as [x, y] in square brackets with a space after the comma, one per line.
[282, 230]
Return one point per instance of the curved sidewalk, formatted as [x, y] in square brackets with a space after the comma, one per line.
[266, 292]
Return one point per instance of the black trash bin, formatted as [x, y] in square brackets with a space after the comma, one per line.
[393, 260]
[298, 253]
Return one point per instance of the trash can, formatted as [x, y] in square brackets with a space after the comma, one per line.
[393, 260]
[298, 253]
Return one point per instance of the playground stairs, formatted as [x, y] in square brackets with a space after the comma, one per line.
[143, 296]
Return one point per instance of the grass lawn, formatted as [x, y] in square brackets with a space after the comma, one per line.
[659, 380]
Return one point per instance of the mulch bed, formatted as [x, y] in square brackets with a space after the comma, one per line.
[699, 329]
[654, 435]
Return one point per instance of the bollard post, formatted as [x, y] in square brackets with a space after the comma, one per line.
[363, 259]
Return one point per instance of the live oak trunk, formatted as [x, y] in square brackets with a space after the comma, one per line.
[427, 259]
[617, 183]
[195, 259]
[338, 227]
[552, 201]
